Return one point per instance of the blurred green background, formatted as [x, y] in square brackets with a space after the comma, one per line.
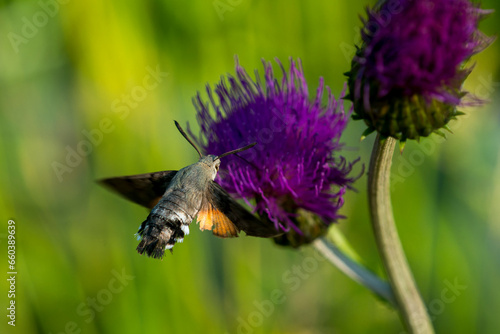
[80, 68]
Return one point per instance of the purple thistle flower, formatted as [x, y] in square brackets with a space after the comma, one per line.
[406, 79]
[293, 165]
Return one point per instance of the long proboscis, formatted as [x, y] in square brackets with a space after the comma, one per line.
[187, 138]
[236, 151]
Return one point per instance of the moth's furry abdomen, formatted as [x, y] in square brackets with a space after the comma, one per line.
[158, 234]
[167, 224]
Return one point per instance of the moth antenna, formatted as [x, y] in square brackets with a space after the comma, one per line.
[187, 138]
[236, 151]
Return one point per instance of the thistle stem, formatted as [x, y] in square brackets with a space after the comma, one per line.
[409, 302]
[354, 270]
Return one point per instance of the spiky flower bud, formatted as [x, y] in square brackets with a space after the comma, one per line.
[406, 78]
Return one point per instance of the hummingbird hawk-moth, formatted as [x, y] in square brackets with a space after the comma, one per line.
[177, 197]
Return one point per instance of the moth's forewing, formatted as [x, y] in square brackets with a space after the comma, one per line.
[143, 189]
[237, 214]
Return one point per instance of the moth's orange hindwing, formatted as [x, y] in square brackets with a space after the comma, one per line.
[210, 217]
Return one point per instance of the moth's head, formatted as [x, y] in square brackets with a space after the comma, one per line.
[212, 161]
